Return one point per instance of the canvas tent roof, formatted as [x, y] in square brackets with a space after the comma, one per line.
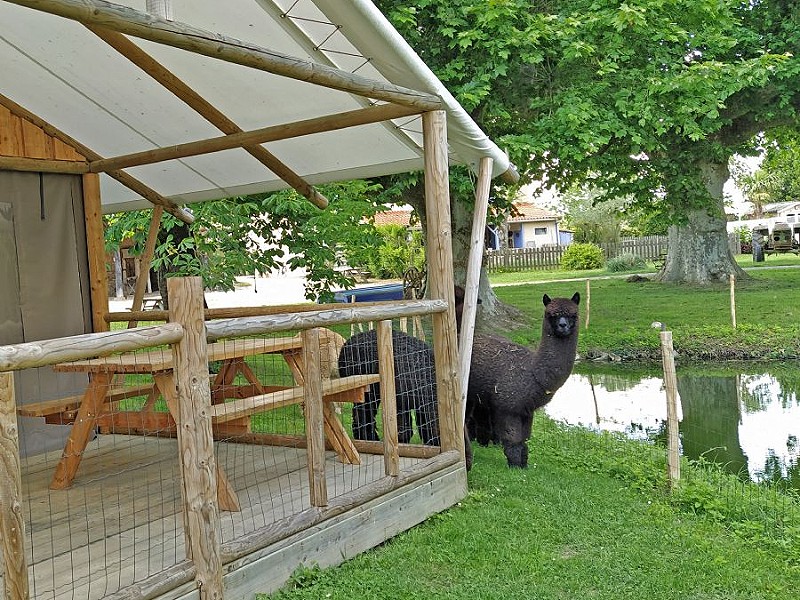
[61, 71]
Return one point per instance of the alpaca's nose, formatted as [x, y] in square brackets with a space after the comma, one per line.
[563, 325]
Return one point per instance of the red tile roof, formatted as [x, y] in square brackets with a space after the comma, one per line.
[527, 211]
[394, 217]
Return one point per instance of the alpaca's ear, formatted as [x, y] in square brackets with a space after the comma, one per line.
[546, 300]
[576, 298]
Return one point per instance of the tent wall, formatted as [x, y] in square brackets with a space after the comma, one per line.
[44, 284]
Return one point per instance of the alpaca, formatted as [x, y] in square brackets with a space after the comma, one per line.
[415, 382]
[508, 382]
[415, 385]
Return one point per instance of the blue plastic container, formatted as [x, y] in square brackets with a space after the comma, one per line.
[371, 293]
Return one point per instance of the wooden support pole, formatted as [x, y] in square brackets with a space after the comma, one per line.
[145, 260]
[671, 386]
[96, 249]
[215, 45]
[439, 255]
[195, 439]
[12, 522]
[588, 304]
[315, 420]
[391, 450]
[473, 277]
[733, 300]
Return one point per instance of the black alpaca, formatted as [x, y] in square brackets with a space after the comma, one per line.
[508, 382]
[415, 382]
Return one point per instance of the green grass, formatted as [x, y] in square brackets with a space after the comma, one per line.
[589, 519]
[622, 313]
[744, 260]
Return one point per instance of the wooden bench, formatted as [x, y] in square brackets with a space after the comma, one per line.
[63, 410]
[151, 303]
[344, 389]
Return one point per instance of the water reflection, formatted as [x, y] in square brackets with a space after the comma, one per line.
[746, 419]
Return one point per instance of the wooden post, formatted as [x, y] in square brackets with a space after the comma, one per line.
[473, 277]
[588, 304]
[96, 249]
[733, 300]
[671, 386]
[195, 440]
[391, 450]
[145, 260]
[439, 254]
[315, 421]
[12, 523]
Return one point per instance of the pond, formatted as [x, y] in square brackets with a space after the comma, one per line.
[745, 418]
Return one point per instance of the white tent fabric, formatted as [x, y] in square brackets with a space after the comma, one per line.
[59, 70]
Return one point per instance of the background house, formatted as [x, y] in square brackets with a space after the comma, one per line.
[529, 227]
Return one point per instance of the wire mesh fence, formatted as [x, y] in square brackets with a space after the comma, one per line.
[102, 465]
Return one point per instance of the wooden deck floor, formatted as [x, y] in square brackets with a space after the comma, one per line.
[121, 521]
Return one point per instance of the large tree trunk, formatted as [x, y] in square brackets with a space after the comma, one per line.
[491, 310]
[698, 250]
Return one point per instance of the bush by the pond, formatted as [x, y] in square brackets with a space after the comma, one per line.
[625, 262]
[582, 257]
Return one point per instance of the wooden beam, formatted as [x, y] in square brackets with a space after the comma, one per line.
[439, 255]
[206, 110]
[195, 438]
[315, 423]
[12, 498]
[144, 262]
[180, 35]
[121, 176]
[473, 276]
[96, 250]
[362, 116]
[41, 165]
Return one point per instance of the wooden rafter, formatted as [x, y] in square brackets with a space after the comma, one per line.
[205, 109]
[121, 176]
[122, 19]
[363, 116]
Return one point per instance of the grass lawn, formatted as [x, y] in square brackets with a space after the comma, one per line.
[588, 519]
[621, 315]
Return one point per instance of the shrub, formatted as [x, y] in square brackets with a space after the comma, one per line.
[399, 250]
[625, 262]
[581, 257]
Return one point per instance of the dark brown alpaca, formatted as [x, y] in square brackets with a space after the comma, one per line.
[508, 382]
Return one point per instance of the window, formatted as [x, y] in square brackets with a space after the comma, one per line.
[540, 231]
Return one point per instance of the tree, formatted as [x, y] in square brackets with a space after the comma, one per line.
[778, 176]
[242, 235]
[645, 99]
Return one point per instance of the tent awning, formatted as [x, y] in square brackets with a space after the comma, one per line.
[66, 74]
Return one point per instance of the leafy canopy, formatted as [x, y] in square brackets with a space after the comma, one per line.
[242, 235]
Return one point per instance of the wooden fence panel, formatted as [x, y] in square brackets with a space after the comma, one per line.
[549, 257]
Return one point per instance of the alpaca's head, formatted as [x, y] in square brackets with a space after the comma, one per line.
[561, 315]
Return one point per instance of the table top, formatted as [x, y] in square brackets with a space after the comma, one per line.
[159, 360]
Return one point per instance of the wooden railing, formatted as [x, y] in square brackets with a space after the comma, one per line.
[188, 332]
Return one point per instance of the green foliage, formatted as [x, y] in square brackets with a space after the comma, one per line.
[239, 236]
[625, 262]
[579, 257]
[398, 250]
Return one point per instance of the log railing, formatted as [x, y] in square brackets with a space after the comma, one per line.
[187, 333]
